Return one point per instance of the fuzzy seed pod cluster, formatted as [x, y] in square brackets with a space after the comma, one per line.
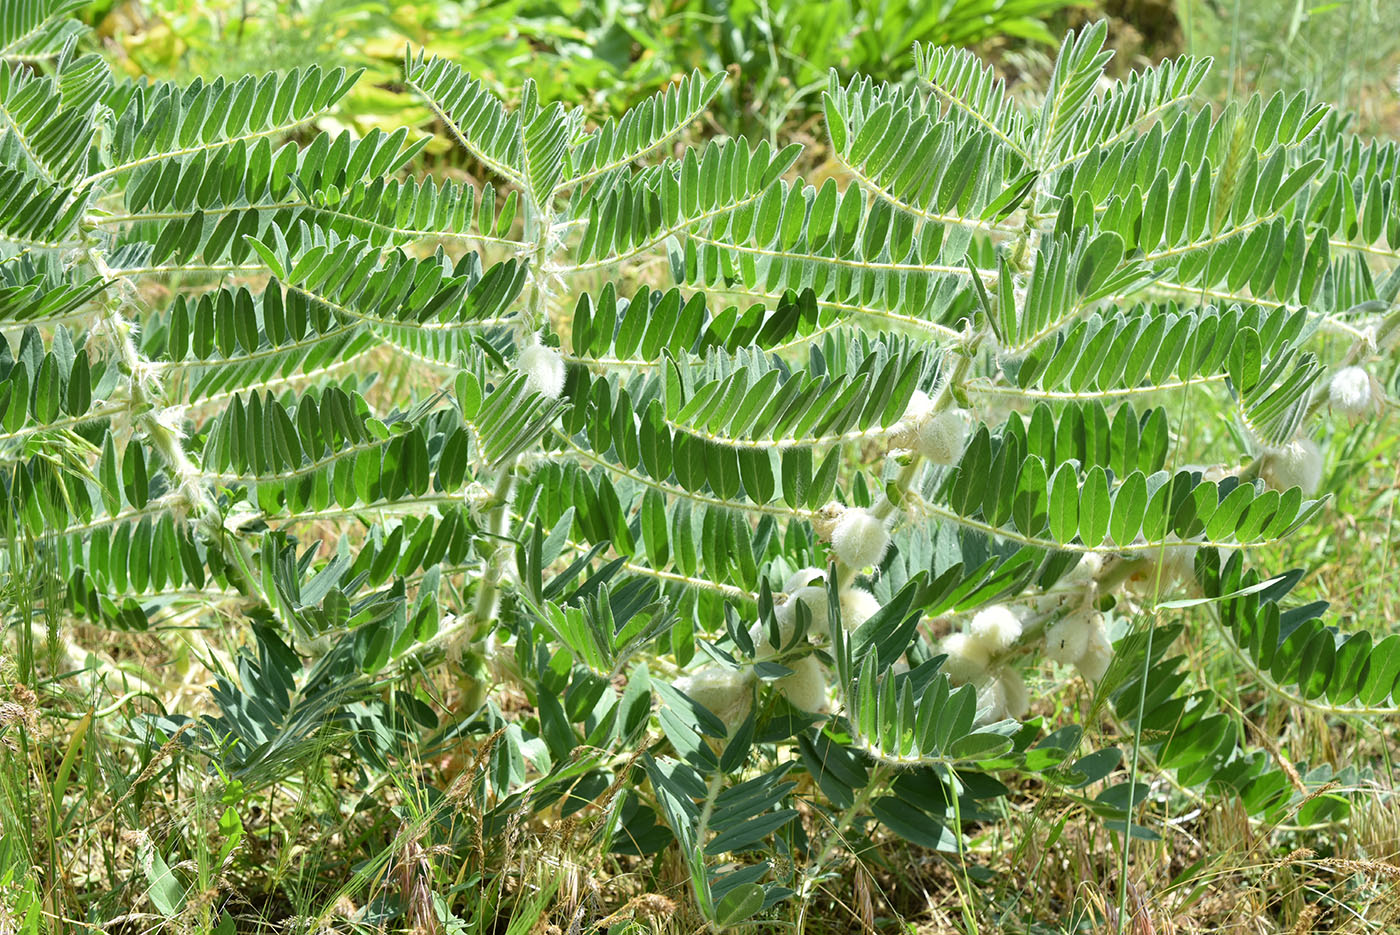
[992, 631]
[805, 587]
[1078, 633]
[806, 686]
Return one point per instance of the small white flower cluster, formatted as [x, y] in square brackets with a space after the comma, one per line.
[938, 436]
[1297, 464]
[543, 368]
[1001, 692]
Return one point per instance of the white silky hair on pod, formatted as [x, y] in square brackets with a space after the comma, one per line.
[543, 368]
[1067, 639]
[1015, 698]
[725, 692]
[991, 707]
[801, 578]
[1050, 601]
[860, 538]
[1097, 654]
[857, 606]
[1297, 464]
[1000, 695]
[920, 407]
[1090, 564]
[763, 648]
[967, 658]
[942, 436]
[1166, 565]
[806, 686]
[995, 627]
[813, 597]
[1350, 391]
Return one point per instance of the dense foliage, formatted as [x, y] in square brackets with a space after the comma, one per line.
[721, 496]
[606, 56]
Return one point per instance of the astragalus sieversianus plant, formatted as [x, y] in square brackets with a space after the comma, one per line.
[748, 492]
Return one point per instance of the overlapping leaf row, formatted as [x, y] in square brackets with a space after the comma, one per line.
[863, 260]
[52, 121]
[1292, 644]
[1118, 353]
[42, 388]
[945, 171]
[36, 28]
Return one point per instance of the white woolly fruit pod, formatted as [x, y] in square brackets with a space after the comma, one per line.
[1067, 639]
[763, 648]
[1163, 567]
[967, 658]
[1088, 569]
[1297, 464]
[903, 432]
[1098, 653]
[942, 437]
[1001, 694]
[857, 606]
[813, 597]
[727, 693]
[543, 368]
[860, 538]
[1353, 392]
[919, 408]
[1014, 694]
[801, 578]
[996, 628]
[805, 688]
